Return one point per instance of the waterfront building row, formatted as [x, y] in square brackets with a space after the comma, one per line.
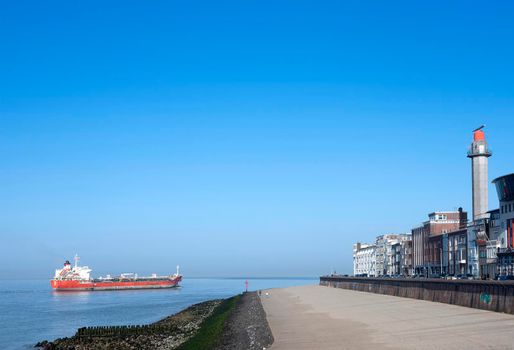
[448, 243]
[389, 255]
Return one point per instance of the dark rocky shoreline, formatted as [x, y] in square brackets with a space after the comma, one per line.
[184, 325]
[245, 328]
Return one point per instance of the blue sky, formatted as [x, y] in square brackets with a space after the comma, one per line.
[240, 138]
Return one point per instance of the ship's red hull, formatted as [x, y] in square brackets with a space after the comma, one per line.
[71, 285]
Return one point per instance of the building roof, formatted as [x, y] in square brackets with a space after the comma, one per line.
[458, 232]
[445, 212]
[505, 187]
[499, 177]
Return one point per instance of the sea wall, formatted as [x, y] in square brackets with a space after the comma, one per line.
[487, 295]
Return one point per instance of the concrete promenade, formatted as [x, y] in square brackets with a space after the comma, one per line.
[317, 317]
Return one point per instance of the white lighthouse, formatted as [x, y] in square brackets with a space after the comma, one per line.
[479, 152]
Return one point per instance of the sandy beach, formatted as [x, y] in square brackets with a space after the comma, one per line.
[317, 317]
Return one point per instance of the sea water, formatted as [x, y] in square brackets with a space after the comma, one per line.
[30, 311]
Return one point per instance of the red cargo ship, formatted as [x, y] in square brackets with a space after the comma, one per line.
[79, 278]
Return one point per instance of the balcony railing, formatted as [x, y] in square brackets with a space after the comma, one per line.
[505, 250]
[486, 151]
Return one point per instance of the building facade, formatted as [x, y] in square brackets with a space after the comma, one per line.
[483, 243]
[391, 254]
[427, 246]
[434, 257]
[456, 252]
[385, 253]
[505, 254]
[364, 260]
[487, 254]
[406, 258]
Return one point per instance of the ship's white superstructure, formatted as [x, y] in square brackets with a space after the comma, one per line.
[76, 272]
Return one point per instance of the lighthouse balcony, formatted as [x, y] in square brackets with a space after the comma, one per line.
[479, 150]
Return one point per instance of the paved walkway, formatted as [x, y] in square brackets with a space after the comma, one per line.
[316, 317]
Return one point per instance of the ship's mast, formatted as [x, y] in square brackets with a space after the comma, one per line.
[177, 270]
[76, 260]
